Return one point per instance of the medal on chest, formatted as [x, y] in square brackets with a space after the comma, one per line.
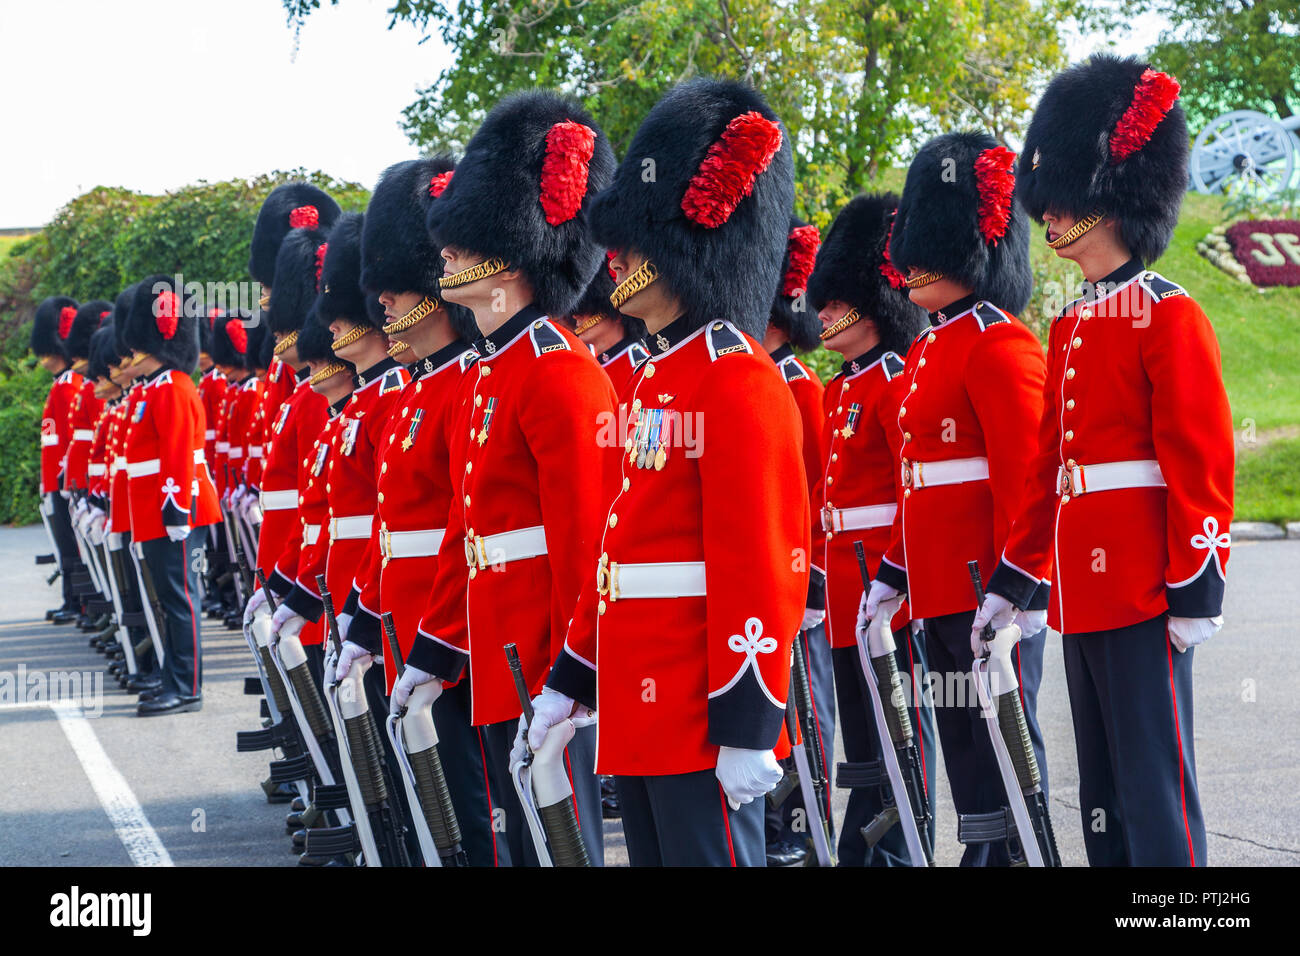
[322, 450]
[488, 412]
[284, 414]
[851, 421]
[648, 446]
[411, 432]
[350, 435]
[139, 412]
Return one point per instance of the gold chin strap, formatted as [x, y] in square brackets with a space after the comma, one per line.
[842, 323]
[1074, 232]
[404, 322]
[136, 359]
[264, 300]
[397, 348]
[80, 365]
[584, 323]
[354, 334]
[285, 343]
[481, 271]
[922, 279]
[645, 274]
[327, 372]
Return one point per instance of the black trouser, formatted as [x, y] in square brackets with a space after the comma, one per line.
[684, 819]
[463, 753]
[65, 547]
[122, 567]
[580, 757]
[1131, 699]
[174, 567]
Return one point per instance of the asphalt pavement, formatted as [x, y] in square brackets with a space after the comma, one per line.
[87, 783]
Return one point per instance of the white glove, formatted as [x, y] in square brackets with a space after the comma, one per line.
[178, 532]
[351, 652]
[411, 678]
[1185, 632]
[287, 621]
[95, 526]
[65, 494]
[811, 618]
[1031, 622]
[79, 509]
[257, 600]
[746, 775]
[870, 602]
[549, 708]
[996, 610]
[344, 622]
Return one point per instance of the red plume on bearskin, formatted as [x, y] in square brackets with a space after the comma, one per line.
[438, 183]
[890, 271]
[66, 316]
[212, 316]
[569, 148]
[238, 335]
[801, 247]
[167, 313]
[304, 217]
[320, 261]
[995, 178]
[1153, 97]
[103, 315]
[727, 174]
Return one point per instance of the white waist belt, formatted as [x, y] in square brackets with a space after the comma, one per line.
[495, 549]
[858, 519]
[48, 440]
[254, 451]
[96, 469]
[200, 456]
[118, 464]
[1108, 476]
[352, 526]
[138, 469]
[664, 579]
[954, 471]
[83, 434]
[410, 544]
[210, 435]
[310, 532]
[279, 500]
[237, 452]
[223, 447]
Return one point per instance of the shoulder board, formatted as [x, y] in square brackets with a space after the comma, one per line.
[793, 370]
[547, 338]
[392, 381]
[637, 353]
[986, 314]
[467, 358]
[724, 339]
[891, 364]
[1160, 287]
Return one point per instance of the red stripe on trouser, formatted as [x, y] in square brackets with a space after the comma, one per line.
[726, 824]
[916, 706]
[1178, 734]
[487, 788]
[194, 623]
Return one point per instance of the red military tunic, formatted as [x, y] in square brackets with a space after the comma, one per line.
[415, 490]
[167, 477]
[98, 461]
[56, 433]
[313, 519]
[1134, 381]
[212, 393]
[973, 399]
[240, 408]
[288, 444]
[119, 512]
[684, 658]
[82, 417]
[524, 451]
[277, 388]
[621, 360]
[807, 391]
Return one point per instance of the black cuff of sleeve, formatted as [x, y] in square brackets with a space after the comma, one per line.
[1200, 597]
[434, 657]
[99, 501]
[896, 578]
[300, 602]
[366, 631]
[173, 516]
[279, 584]
[353, 602]
[816, 590]
[1016, 587]
[744, 717]
[573, 678]
[1042, 596]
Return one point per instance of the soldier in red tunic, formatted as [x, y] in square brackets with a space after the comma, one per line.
[525, 515]
[212, 395]
[866, 317]
[171, 495]
[683, 631]
[1129, 496]
[972, 400]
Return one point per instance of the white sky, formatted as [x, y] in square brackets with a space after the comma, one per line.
[154, 94]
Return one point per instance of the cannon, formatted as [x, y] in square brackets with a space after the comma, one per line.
[1245, 151]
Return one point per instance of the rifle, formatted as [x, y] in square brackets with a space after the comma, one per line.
[545, 792]
[898, 750]
[809, 758]
[52, 557]
[1017, 765]
[414, 737]
[152, 606]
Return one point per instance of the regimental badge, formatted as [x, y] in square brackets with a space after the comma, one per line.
[322, 450]
[284, 414]
[350, 435]
[487, 416]
[139, 412]
[854, 367]
[851, 422]
[489, 346]
[411, 432]
[665, 398]
[662, 341]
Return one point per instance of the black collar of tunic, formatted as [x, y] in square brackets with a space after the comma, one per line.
[432, 363]
[377, 370]
[953, 309]
[614, 351]
[671, 334]
[493, 342]
[865, 360]
[1092, 291]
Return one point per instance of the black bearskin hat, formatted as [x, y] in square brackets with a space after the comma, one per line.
[89, 318]
[233, 342]
[103, 351]
[522, 194]
[958, 216]
[1109, 136]
[121, 309]
[291, 206]
[705, 193]
[205, 332]
[315, 342]
[853, 267]
[262, 346]
[791, 312]
[299, 267]
[595, 301]
[52, 324]
[340, 280]
[161, 322]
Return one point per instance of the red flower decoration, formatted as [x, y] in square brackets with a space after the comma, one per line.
[569, 148]
[801, 246]
[238, 336]
[167, 313]
[438, 183]
[304, 217]
[66, 316]
[320, 262]
[890, 271]
[1153, 97]
[995, 178]
[103, 315]
[733, 163]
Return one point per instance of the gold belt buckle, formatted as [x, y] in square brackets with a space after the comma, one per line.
[907, 475]
[602, 575]
[474, 553]
[385, 543]
[1067, 481]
